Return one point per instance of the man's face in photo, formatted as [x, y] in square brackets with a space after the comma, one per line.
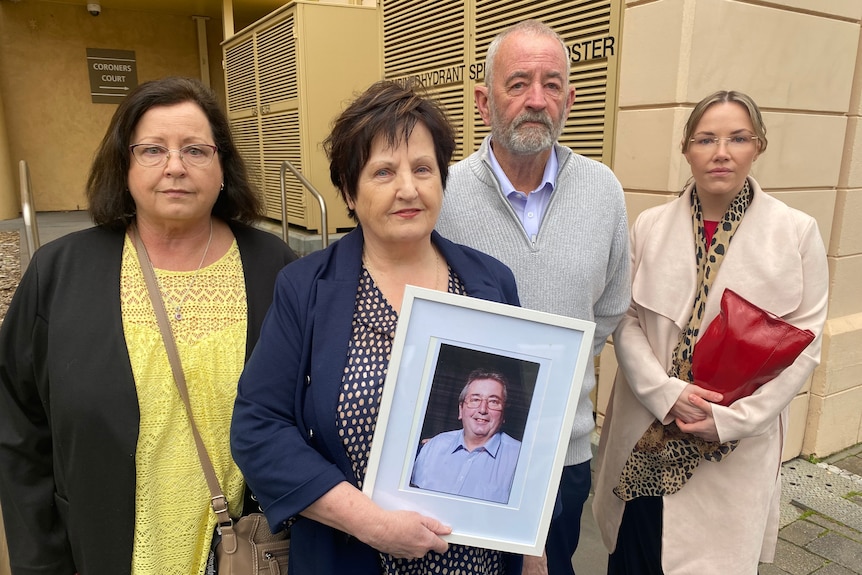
[481, 412]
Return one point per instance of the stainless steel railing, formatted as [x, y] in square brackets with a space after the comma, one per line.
[28, 209]
[324, 222]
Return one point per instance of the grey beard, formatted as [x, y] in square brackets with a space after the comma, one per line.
[530, 140]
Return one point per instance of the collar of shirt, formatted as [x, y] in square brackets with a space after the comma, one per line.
[528, 207]
[492, 446]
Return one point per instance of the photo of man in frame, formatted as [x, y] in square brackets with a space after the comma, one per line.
[476, 455]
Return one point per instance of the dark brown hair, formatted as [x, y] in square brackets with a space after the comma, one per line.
[391, 110]
[110, 202]
[485, 374]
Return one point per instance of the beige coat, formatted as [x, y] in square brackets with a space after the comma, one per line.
[725, 518]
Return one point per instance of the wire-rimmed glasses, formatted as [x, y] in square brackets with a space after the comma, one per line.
[474, 401]
[156, 156]
[735, 142]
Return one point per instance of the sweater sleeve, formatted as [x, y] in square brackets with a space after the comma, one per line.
[616, 297]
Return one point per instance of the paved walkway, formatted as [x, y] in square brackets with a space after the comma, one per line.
[821, 503]
[821, 521]
[821, 517]
[49, 226]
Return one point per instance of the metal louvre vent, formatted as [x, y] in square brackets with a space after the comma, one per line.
[239, 62]
[451, 97]
[585, 128]
[276, 48]
[443, 46]
[571, 20]
[584, 27]
[281, 141]
[247, 140]
[420, 35]
[287, 82]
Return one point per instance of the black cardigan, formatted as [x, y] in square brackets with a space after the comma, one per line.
[70, 415]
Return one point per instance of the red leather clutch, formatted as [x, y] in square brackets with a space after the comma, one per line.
[744, 347]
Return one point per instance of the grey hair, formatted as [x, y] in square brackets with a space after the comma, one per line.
[530, 28]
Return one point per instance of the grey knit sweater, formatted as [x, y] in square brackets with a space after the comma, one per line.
[578, 265]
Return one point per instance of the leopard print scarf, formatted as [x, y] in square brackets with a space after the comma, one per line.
[665, 457]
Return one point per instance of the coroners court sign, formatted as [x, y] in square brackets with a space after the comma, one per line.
[113, 73]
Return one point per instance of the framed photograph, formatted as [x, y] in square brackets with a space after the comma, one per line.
[475, 417]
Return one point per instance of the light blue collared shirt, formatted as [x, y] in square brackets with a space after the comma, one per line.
[528, 207]
[444, 464]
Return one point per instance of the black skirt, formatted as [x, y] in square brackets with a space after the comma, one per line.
[638, 550]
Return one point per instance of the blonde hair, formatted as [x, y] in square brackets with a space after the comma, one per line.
[722, 97]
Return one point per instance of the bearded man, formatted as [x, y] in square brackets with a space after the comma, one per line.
[556, 218]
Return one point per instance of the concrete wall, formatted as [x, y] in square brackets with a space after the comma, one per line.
[804, 68]
[44, 87]
[9, 206]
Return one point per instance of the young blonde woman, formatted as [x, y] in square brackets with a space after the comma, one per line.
[686, 485]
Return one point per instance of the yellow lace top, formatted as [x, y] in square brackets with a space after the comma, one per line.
[173, 519]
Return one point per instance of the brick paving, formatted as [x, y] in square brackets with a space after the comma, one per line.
[818, 540]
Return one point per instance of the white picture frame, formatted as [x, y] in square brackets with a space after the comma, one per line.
[548, 353]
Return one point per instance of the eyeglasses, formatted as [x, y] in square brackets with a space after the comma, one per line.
[155, 156]
[474, 401]
[738, 142]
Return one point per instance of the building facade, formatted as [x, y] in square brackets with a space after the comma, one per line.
[639, 67]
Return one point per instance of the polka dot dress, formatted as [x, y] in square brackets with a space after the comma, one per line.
[368, 355]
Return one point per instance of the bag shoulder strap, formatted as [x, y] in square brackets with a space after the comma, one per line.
[218, 500]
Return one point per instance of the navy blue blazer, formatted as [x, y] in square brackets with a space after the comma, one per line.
[283, 434]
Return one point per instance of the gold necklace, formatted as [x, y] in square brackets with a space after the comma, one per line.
[178, 308]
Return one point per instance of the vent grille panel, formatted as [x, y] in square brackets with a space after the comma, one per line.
[242, 91]
[428, 41]
[281, 142]
[276, 49]
[451, 98]
[245, 134]
[420, 35]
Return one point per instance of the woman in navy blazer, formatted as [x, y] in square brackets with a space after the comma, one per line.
[306, 406]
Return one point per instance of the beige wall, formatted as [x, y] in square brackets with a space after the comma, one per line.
[44, 87]
[673, 53]
[9, 206]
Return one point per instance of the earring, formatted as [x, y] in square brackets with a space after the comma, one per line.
[221, 189]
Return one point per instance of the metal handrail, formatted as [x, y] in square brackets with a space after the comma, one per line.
[28, 209]
[324, 222]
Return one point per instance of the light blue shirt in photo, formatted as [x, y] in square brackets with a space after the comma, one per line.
[444, 464]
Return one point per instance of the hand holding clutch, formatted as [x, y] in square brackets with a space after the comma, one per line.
[744, 347]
